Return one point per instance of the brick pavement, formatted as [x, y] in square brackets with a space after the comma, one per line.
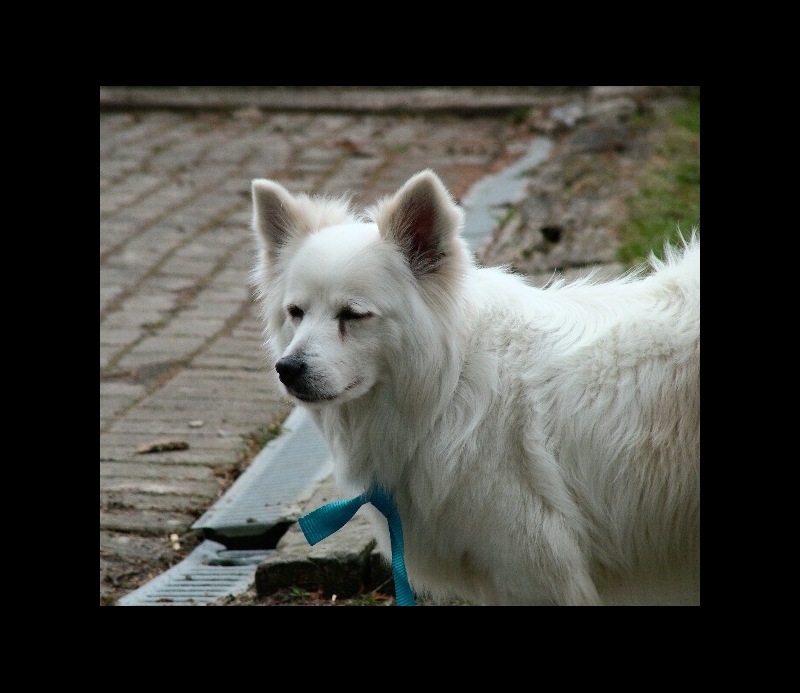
[180, 339]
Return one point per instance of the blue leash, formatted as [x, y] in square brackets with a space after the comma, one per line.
[324, 521]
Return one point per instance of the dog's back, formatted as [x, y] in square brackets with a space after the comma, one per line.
[588, 446]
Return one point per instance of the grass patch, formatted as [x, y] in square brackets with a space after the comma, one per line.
[508, 214]
[668, 201]
[298, 593]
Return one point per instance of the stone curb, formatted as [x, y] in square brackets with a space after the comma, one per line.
[345, 563]
[339, 99]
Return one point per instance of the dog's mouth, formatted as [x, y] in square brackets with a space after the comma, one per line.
[318, 397]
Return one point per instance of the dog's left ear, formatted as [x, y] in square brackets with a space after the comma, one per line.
[424, 221]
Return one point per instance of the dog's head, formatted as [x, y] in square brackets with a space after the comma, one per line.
[347, 299]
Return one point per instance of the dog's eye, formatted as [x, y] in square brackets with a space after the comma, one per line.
[348, 314]
[295, 312]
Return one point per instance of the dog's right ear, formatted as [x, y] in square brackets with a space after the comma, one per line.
[276, 216]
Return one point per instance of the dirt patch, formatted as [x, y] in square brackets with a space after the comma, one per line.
[128, 561]
[579, 199]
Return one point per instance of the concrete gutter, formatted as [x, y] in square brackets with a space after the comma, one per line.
[338, 99]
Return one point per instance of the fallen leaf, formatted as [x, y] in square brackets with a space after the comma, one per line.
[161, 445]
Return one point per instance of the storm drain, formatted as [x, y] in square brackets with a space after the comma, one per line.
[209, 573]
[243, 526]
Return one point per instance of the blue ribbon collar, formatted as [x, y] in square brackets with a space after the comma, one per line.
[322, 522]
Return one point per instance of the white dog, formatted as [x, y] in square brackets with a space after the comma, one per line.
[542, 445]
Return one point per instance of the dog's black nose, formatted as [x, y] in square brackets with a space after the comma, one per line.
[290, 368]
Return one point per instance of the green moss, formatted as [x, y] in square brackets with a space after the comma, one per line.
[668, 202]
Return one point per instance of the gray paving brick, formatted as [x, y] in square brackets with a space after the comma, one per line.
[110, 405]
[224, 289]
[118, 336]
[168, 283]
[118, 275]
[149, 471]
[146, 521]
[208, 488]
[157, 429]
[157, 240]
[155, 349]
[226, 361]
[130, 316]
[240, 417]
[188, 267]
[147, 301]
[117, 388]
[210, 310]
[187, 324]
[132, 501]
[249, 350]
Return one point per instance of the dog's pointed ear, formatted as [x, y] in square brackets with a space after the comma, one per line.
[275, 213]
[424, 221]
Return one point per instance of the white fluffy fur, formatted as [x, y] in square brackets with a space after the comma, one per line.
[543, 445]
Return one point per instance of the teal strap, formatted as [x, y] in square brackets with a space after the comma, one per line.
[324, 521]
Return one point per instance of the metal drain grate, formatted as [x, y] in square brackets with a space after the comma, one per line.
[208, 573]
